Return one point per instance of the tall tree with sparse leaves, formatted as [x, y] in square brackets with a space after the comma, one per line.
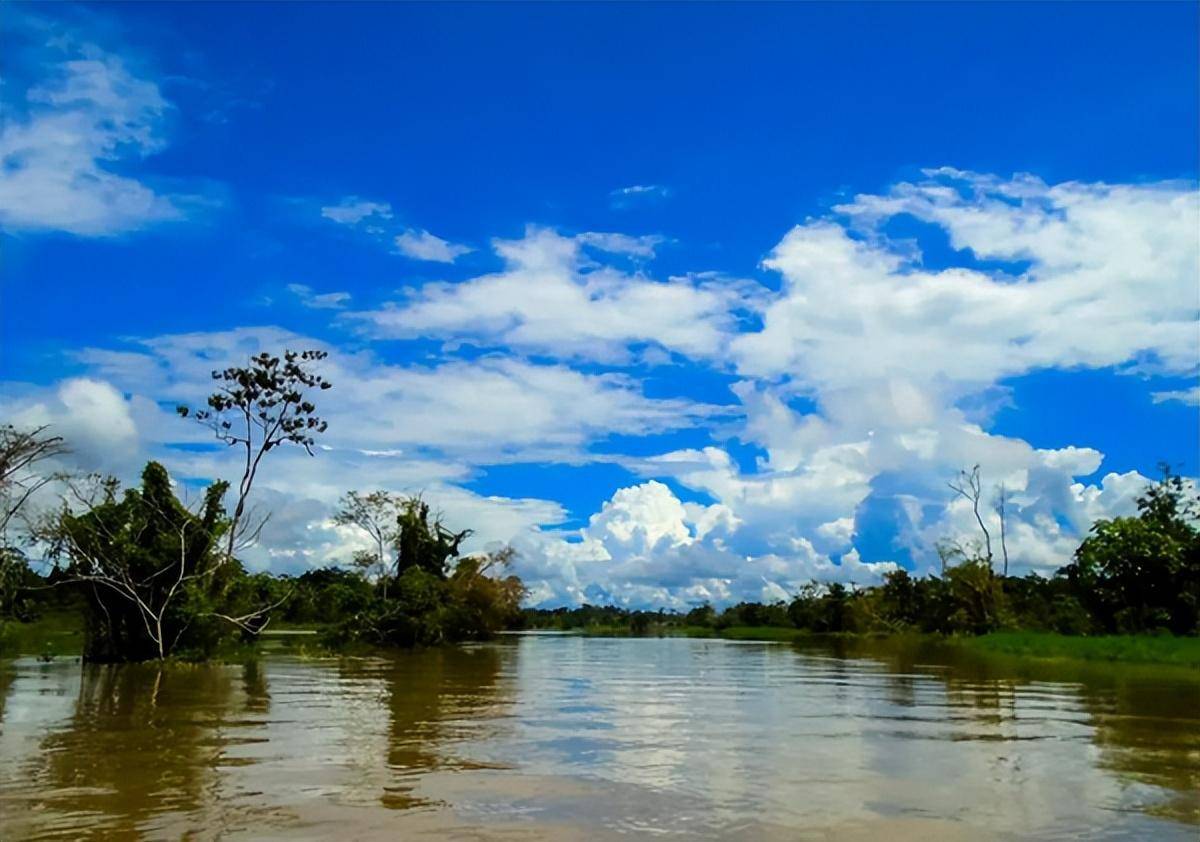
[257, 408]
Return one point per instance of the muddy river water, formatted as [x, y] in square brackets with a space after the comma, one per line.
[563, 737]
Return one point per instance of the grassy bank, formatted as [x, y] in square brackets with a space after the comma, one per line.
[1131, 649]
[1134, 649]
[764, 633]
[60, 634]
[55, 634]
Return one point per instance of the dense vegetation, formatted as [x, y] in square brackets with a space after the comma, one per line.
[152, 578]
[1130, 575]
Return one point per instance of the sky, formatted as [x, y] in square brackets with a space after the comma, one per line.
[687, 302]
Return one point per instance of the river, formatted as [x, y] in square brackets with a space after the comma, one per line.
[562, 737]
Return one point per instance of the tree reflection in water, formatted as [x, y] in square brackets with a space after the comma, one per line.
[143, 740]
[1144, 719]
[442, 704]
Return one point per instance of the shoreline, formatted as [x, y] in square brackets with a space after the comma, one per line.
[1160, 650]
[59, 635]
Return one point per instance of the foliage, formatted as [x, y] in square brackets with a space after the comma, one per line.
[328, 595]
[1142, 573]
[422, 544]
[257, 408]
[149, 572]
[378, 515]
[428, 603]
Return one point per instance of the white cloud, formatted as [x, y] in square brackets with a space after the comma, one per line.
[881, 353]
[352, 210]
[63, 148]
[319, 301]
[1111, 281]
[550, 298]
[493, 408]
[1190, 397]
[624, 197]
[645, 547]
[95, 419]
[621, 243]
[860, 390]
[421, 245]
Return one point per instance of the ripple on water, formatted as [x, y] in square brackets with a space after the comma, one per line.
[568, 737]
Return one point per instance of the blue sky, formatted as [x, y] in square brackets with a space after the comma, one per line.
[686, 301]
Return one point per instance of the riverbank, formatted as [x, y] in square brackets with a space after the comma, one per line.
[60, 634]
[1134, 649]
[1131, 649]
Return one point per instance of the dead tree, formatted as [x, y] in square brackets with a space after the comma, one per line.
[970, 487]
[21, 454]
[1002, 498]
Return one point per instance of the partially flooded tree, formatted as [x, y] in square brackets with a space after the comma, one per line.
[25, 455]
[257, 408]
[149, 567]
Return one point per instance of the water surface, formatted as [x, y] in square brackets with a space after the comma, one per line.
[561, 737]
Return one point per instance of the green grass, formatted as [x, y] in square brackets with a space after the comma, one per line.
[55, 634]
[60, 634]
[1131, 649]
[767, 633]
[1143, 649]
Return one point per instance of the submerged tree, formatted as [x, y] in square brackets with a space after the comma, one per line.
[258, 408]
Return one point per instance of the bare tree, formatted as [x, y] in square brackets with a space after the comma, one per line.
[970, 487]
[496, 560]
[21, 454]
[376, 514]
[258, 408]
[952, 553]
[1002, 498]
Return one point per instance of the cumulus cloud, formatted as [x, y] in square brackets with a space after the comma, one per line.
[67, 144]
[646, 547]
[856, 382]
[419, 244]
[862, 381]
[494, 408]
[550, 298]
[95, 419]
[1110, 280]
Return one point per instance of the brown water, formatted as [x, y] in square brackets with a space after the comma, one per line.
[552, 737]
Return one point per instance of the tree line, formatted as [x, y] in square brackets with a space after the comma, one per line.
[1130, 575]
[156, 577]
